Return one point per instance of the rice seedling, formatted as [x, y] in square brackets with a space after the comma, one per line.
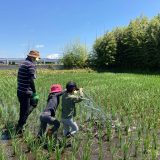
[2, 151]
[2, 154]
[87, 151]
[100, 145]
[58, 152]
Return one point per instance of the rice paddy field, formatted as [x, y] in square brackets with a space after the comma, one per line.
[121, 123]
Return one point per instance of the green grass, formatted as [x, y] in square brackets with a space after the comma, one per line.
[132, 100]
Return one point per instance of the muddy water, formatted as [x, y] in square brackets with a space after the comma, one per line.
[7, 147]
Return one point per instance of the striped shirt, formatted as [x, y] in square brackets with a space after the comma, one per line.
[26, 72]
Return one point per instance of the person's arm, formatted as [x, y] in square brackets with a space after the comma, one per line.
[77, 98]
[32, 77]
[50, 106]
[33, 85]
[60, 93]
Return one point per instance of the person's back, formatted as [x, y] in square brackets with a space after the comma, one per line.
[52, 103]
[68, 104]
[26, 72]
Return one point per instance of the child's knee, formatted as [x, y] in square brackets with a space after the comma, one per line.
[75, 127]
[41, 117]
[56, 123]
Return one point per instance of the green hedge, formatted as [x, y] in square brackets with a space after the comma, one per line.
[134, 46]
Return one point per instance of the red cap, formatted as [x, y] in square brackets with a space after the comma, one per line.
[55, 88]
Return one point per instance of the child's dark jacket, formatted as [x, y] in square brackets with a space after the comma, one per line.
[53, 102]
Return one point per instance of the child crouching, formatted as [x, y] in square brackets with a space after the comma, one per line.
[48, 115]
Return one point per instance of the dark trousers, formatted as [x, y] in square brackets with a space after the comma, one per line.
[25, 109]
[45, 119]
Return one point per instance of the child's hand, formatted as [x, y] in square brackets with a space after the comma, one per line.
[75, 92]
[80, 89]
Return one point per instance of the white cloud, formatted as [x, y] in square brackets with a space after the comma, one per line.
[54, 56]
[39, 46]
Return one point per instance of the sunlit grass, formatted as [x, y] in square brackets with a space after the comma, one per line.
[131, 100]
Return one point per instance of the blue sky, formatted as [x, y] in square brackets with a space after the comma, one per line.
[50, 25]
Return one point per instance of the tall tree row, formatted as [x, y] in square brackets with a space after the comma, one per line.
[134, 46]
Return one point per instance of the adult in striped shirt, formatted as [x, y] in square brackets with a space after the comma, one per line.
[26, 87]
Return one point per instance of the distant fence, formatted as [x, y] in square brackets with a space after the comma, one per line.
[13, 61]
[39, 66]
